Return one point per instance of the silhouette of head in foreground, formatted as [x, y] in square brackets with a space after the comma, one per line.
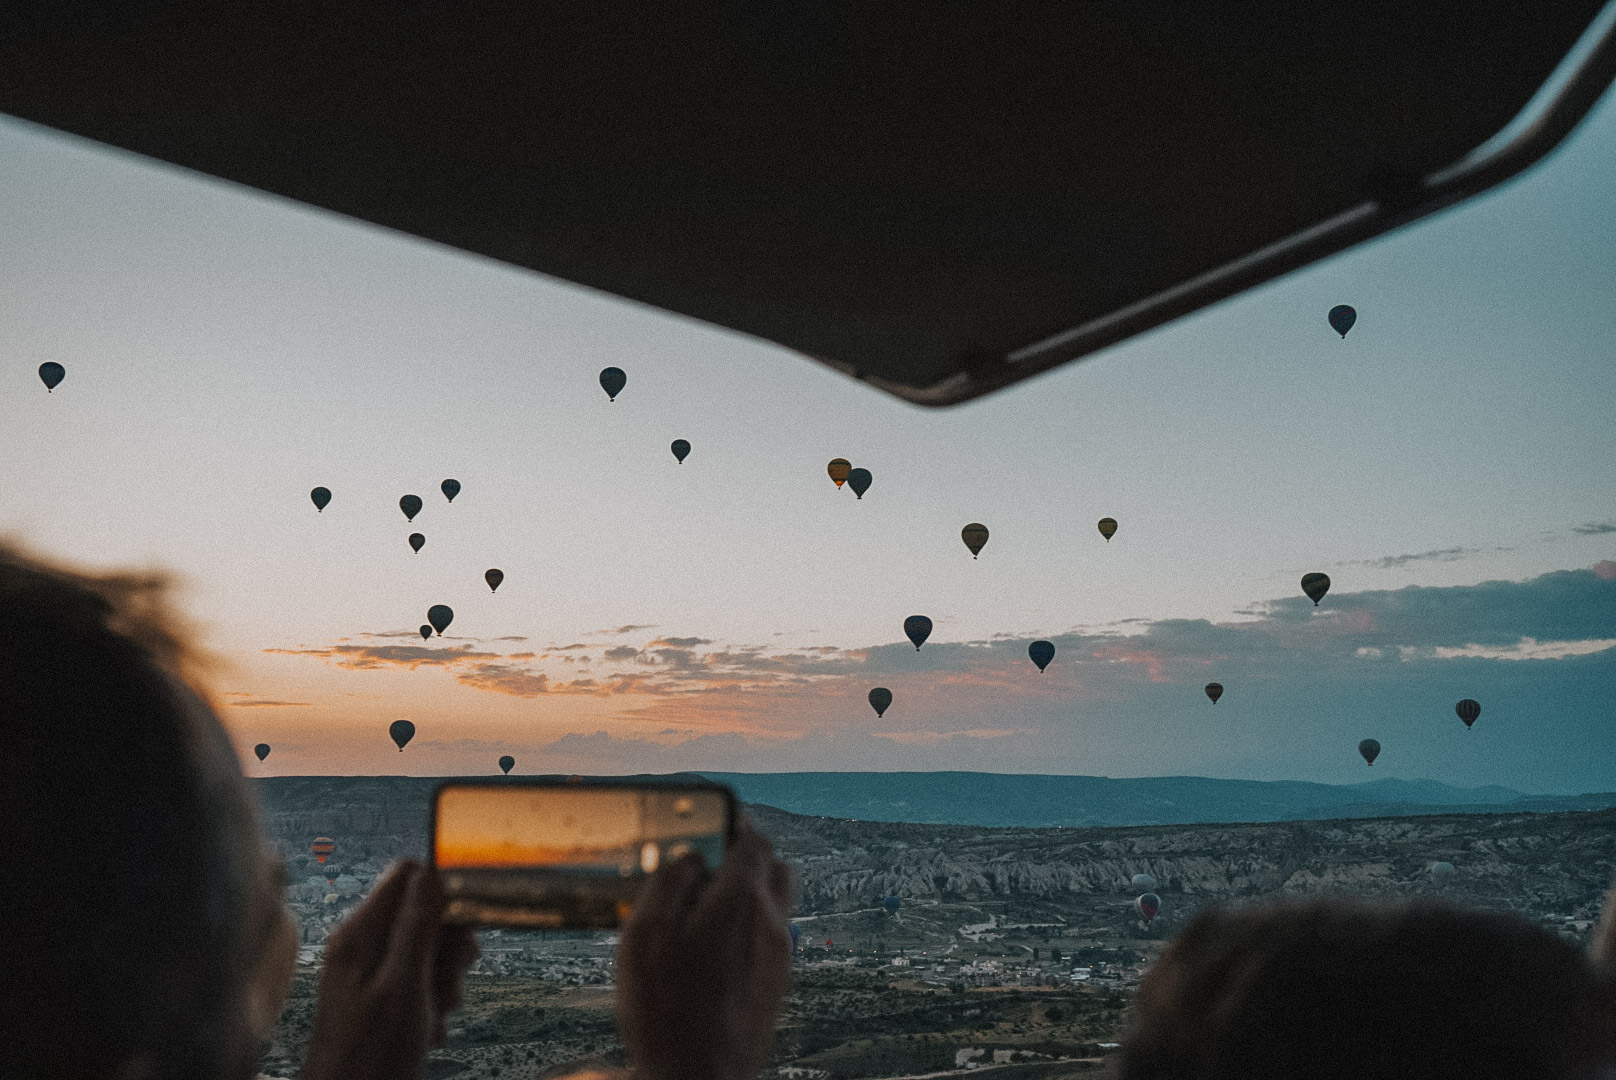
[143, 927]
[1339, 988]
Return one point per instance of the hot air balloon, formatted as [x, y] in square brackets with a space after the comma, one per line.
[426, 631]
[506, 764]
[1148, 904]
[917, 628]
[450, 489]
[681, 450]
[417, 541]
[1144, 883]
[322, 847]
[1468, 710]
[892, 904]
[262, 750]
[1370, 749]
[1214, 691]
[838, 469]
[880, 700]
[493, 577]
[1315, 585]
[1041, 652]
[1108, 528]
[1441, 870]
[975, 536]
[321, 497]
[411, 505]
[612, 380]
[859, 481]
[440, 616]
[332, 873]
[402, 731]
[1342, 316]
[51, 374]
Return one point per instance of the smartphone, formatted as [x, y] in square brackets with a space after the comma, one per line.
[567, 854]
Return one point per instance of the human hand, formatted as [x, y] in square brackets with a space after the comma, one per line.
[704, 964]
[392, 974]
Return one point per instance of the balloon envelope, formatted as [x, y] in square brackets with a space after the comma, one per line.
[506, 764]
[426, 631]
[51, 374]
[417, 541]
[612, 380]
[1144, 882]
[1370, 749]
[402, 731]
[1441, 869]
[332, 872]
[493, 577]
[262, 750]
[440, 616]
[451, 488]
[892, 903]
[1041, 652]
[917, 628]
[975, 536]
[1214, 691]
[411, 505]
[1148, 905]
[838, 469]
[681, 450]
[322, 848]
[1108, 528]
[1315, 585]
[1342, 316]
[321, 497]
[859, 481]
[1468, 710]
[880, 700]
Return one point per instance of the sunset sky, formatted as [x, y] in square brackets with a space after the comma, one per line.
[1451, 465]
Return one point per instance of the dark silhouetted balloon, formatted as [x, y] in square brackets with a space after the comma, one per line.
[975, 536]
[332, 873]
[417, 541]
[440, 616]
[451, 488]
[401, 731]
[892, 904]
[506, 764]
[1148, 905]
[1144, 882]
[1315, 585]
[1214, 690]
[51, 374]
[1342, 316]
[262, 750]
[1370, 749]
[612, 380]
[681, 450]
[838, 469]
[917, 628]
[426, 631]
[1468, 710]
[322, 848]
[493, 577]
[1041, 652]
[411, 505]
[859, 480]
[321, 497]
[880, 700]
[1108, 528]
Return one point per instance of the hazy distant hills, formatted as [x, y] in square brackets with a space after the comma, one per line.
[1006, 799]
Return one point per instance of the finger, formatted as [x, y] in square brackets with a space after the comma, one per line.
[413, 941]
[669, 892]
[361, 941]
[457, 951]
[783, 885]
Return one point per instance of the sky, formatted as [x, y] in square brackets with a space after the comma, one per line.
[1448, 464]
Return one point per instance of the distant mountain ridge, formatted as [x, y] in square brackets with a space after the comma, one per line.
[1036, 800]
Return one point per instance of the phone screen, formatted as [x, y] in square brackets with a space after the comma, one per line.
[559, 855]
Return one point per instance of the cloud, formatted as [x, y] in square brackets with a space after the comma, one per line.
[630, 628]
[365, 657]
[680, 642]
[622, 652]
[1395, 562]
[1605, 570]
[512, 637]
[1595, 528]
[505, 679]
[263, 703]
[1527, 649]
